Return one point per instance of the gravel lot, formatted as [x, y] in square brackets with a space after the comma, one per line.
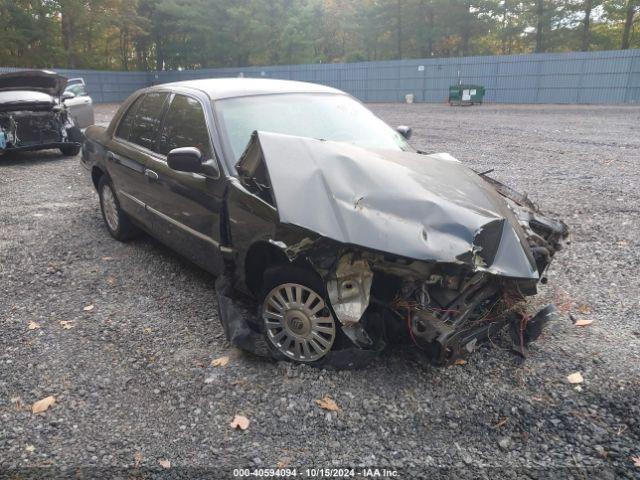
[132, 376]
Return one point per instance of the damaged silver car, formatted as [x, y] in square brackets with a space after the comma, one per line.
[33, 115]
[330, 236]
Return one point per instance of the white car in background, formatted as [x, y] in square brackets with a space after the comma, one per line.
[78, 102]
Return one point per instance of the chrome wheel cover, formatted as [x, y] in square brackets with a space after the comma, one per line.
[110, 208]
[298, 323]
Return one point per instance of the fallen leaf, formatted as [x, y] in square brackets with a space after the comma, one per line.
[43, 405]
[30, 448]
[33, 325]
[636, 461]
[66, 324]
[584, 309]
[283, 463]
[575, 378]
[106, 259]
[147, 330]
[164, 463]
[623, 243]
[137, 459]
[460, 361]
[328, 403]
[88, 308]
[501, 422]
[583, 322]
[220, 362]
[240, 421]
[111, 280]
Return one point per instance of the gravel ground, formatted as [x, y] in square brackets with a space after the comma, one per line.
[132, 376]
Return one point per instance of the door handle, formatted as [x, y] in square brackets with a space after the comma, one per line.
[110, 156]
[151, 174]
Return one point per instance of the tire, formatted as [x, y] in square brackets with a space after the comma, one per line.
[70, 150]
[115, 219]
[293, 331]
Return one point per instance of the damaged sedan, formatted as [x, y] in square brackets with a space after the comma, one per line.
[33, 115]
[330, 236]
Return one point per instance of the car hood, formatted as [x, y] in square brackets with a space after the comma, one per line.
[34, 80]
[424, 207]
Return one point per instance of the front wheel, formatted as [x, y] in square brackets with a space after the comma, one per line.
[297, 322]
[70, 150]
[116, 220]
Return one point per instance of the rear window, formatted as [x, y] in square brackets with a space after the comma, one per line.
[144, 130]
[185, 126]
[124, 128]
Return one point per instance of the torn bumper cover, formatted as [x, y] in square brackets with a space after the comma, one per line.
[410, 247]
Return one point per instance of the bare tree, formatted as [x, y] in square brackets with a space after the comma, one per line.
[632, 7]
[540, 13]
[586, 33]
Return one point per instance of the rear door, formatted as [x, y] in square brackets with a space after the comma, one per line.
[130, 149]
[186, 206]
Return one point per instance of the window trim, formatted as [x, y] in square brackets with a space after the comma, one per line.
[134, 105]
[204, 114]
[137, 105]
[207, 122]
[209, 117]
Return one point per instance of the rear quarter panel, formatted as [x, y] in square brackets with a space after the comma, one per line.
[93, 151]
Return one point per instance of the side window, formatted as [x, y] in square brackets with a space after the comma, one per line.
[78, 90]
[185, 126]
[124, 127]
[144, 130]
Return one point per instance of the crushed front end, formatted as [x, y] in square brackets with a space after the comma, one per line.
[410, 248]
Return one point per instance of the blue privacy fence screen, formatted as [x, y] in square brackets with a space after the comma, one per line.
[609, 77]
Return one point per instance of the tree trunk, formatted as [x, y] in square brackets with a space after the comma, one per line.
[67, 29]
[540, 25]
[466, 27]
[159, 54]
[399, 27]
[505, 27]
[628, 24]
[588, 4]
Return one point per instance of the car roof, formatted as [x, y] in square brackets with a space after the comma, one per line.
[219, 88]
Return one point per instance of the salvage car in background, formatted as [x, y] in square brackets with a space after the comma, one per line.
[342, 235]
[33, 116]
[78, 102]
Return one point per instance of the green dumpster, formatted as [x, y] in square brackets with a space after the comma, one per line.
[466, 94]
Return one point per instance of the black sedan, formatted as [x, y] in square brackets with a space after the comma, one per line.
[306, 205]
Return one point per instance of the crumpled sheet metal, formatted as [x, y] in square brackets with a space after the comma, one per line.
[349, 289]
[234, 315]
[425, 207]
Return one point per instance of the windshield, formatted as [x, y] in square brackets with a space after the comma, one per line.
[322, 116]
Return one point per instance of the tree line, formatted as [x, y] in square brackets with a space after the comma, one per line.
[189, 34]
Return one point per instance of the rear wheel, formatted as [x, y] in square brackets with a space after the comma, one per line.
[297, 322]
[115, 219]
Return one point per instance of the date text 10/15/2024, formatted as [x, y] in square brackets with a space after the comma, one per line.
[316, 472]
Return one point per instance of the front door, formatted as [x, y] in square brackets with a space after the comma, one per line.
[186, 207]
[81, 106]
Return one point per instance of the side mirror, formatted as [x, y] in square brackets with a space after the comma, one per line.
[68, 95]
[189, 159]
[405, 131]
